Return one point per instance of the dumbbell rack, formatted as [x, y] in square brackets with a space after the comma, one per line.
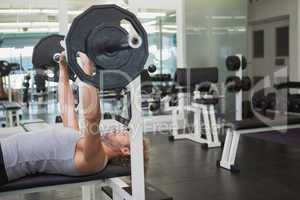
[239, 95]
[237, 83]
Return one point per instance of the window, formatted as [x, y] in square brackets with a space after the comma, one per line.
[258, 44]
[282, 41]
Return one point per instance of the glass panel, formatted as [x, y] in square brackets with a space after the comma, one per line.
[258, 44]
[282, 41]
[216, 29]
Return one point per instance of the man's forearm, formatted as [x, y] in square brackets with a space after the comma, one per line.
[66, 101]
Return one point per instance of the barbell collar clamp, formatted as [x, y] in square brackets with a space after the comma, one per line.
[56, 57]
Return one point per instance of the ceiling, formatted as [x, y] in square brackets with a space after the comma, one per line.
[71, 4]
[20, 16]
[32, 5]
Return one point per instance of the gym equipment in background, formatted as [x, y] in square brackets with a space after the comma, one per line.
[4, 71]
[238, 83]
[26, 85]
[10, 108]
[269, 128]
[204, 129]
[275, 99]
[235, 63]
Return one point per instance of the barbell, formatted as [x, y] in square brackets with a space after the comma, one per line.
[112, 37]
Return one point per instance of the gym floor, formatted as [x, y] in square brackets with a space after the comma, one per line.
[184, 171]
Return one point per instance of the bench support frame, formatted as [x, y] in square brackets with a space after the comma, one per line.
[232, 142]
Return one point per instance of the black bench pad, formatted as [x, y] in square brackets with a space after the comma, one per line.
[208, 101]
[10, 105]
[111, 171]
[256, 123]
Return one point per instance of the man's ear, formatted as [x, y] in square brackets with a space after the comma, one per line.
[125, 151]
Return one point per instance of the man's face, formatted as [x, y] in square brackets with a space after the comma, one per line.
[118, 140]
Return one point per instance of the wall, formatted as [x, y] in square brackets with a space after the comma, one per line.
[20, 40]
[179, 7]
[268, 9]
[215, 29]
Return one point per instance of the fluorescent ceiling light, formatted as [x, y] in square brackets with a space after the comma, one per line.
[241, 29]
[153, 22]
[150, 15]
[41, 30]
[29, 30]
[221, 17]
[48, 11]
[18, 11]
[9, 30]
[240, 17]
[170, 26]
[28, 24]
[196, 28]
[151, 29]
[169, 31]
[15, 25]
[221, 28]
[36, 11]
[238, 30]
[75, 12]
[44, 24]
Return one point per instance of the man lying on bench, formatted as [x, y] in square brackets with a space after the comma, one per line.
[63, 151]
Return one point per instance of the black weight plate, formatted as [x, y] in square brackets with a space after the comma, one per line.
[233, 84]
[233, 63]
[76, 41]
[42, 58]
[272, 101]
[246, 83]
[4, 68]
[96, 41]
[244, 62]
[43, 52]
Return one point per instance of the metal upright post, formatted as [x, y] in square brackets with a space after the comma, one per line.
[239, 95]
[136, 143]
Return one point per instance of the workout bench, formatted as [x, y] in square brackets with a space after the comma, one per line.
[249, 126]
[46, 182]
[111, 187]
[109, 177]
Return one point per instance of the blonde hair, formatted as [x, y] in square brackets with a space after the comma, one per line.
[125, 160]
